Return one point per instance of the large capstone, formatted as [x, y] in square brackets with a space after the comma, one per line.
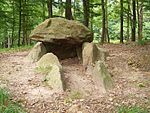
[60, 30]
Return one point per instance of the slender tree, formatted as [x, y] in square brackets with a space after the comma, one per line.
[128, 20]
[19, 30]
[106, 10]
[24, 29]
[121, 21]
[13, 22]
[140, 19]
[43, 10]
[134, 20]
[50, 8]
[61, 8]
[86, 12]
[68, 12]
[103, 22]
[91, 16]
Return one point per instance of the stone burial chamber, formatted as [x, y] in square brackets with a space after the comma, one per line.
[58, 38]
[62, 37]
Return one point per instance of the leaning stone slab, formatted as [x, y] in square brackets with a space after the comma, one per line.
[51, 67]
[101, 76]
[54, 80]
[91, 53]
[100, 53]
[37, 52]
[48, 60]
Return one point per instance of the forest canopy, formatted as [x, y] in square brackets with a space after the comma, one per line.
[124, 20]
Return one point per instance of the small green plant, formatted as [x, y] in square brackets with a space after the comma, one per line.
[141, 85]
[73, 96]
[4, 96]
[132, 109]
[141, 42]
[7, 105]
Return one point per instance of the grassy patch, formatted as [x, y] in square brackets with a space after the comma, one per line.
[132, 109]
[7, 105]
[73, 96]
[15, 49]
[141, 85]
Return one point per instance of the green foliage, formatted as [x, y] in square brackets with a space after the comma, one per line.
[132, 109]
[73, 96]
[7, 105]
[34, 12]
[4, 96]
[141, 42]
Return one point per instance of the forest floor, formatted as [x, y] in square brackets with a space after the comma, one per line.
[129, 66]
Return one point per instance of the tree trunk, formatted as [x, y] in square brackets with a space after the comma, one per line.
[61, 9]
[43, 8]
[68, 12]
[107, 33]
[50, 8]
[121, 21]
[128, 21]
[19, 30]
[140, 19]
[74, 9]
[134, 20]
[9, 41]
[91, 19]
[13, 23]
[23, 29]
[103, 22]
[86, 12]
[26, 25]
[23, 23]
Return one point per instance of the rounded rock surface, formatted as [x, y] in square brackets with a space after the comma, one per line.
[60, 30]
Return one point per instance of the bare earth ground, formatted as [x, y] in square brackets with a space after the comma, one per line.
[129, 66]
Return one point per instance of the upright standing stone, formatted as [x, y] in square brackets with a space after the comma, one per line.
[50, 65]
[87, 54]
[37, 52]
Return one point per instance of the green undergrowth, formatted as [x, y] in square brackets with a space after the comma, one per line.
[7, 105]
[132, 109]
[143, 42]
[15, 49]
[73, 96]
